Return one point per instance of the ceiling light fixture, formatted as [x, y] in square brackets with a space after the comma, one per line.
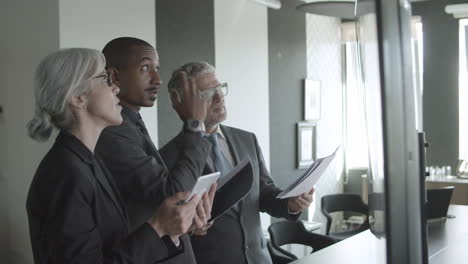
[275, 4]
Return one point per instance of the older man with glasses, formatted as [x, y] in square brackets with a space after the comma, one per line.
[236, 237]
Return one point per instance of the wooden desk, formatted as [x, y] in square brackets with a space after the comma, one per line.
[448, 243]
[460, 194]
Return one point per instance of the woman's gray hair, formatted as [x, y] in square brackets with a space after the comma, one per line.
[193, 69]
[58, 77]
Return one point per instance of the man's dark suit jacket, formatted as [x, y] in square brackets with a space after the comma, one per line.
[142, 175]
[76, 214]
[237, 237]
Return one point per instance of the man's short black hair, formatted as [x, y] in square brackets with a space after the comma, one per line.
[117, 51]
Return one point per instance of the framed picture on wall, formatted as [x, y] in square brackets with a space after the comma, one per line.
[312, 100]
[305, 144]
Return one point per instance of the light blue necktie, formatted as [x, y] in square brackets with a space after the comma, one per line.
[220, 162]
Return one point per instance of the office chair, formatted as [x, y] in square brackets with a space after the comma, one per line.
[283, 233]
[344, 202]
[276, 256]
[438, 201]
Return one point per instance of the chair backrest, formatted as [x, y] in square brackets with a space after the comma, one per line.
[343, 202]
[282, 233]
[286, 232]
[438, 201]
[278, 257]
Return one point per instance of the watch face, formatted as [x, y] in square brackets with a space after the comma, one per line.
[194, 124]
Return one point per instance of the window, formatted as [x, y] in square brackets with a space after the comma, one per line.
[463, 90]
[417, 60]
[355, 134]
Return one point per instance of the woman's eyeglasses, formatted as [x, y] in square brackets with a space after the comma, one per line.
[107, 77]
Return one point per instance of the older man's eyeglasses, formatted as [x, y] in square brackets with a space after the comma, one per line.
[222, 89]
[106, 77]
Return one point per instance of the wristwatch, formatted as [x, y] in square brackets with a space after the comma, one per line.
[195, 126]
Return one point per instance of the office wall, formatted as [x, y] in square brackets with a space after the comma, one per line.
[440, 81]
[184, 34]
[4, 222]
[29, 31]
[303, 46]
[324, 64]
[287, 69]
[241, 49]
[91, 24]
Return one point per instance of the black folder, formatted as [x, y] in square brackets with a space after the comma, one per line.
[232, 188]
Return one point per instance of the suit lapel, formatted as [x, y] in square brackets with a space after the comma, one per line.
[99, 173]
[233, 144]
[154, 152]
[97, 167]
[130, 117]
[149, 146]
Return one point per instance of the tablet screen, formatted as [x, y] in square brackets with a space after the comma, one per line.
[203, 184]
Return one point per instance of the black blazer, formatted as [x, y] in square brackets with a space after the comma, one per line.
[141, 174]
[237, 236]
[76, 214]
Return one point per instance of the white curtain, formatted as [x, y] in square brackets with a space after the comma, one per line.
[463, 90]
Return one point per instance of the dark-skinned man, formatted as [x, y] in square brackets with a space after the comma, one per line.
[128, 151]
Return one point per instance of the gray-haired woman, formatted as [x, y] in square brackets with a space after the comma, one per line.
[74, 208]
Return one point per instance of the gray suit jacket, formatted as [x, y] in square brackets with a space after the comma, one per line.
[237, 236]
[142, 175]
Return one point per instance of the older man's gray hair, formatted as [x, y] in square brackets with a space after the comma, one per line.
[193, 70]
[59, 76]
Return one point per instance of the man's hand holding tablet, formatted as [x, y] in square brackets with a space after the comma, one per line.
[203, 184]
[205, 187]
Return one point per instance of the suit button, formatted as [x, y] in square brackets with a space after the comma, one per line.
[246, 247]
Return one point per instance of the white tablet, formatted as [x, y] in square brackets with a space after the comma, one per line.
[203, 184]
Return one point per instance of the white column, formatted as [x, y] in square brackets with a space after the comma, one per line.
[241, 45]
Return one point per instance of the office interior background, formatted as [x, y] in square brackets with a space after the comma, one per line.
[264, 54]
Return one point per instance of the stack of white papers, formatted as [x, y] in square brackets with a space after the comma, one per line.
[305, 183]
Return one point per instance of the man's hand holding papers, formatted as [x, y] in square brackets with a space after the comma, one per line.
[297, 204]
[306, 182]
